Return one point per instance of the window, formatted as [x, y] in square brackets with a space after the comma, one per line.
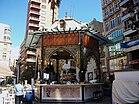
[107, 26]
[113, 35]
[4, 38]
[42, 18]
[119, 19]
[7, 31]
[44, 1]
[4, 47]
[43, 6]
[117, 5]
[110, 10]
[115, 49]
[8, 38]
[42, 24]
[106, 14]
[4, 56]
[43, 12]
[113, 23]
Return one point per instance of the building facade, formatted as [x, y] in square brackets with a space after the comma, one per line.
[130, 18]
[39, 17]
[115, 57]
[5, 44]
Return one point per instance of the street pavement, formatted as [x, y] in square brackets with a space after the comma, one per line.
[7, 97]
[105, 100]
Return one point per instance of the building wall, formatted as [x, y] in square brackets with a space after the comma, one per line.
[130, 18]
[39, 17]
[113, 30]
[96, 25]
[5, 44]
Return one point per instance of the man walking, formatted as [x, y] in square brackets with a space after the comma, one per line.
[19, 92]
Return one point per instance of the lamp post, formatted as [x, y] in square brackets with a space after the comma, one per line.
[41, 72]
[18, 63]
[81, 72]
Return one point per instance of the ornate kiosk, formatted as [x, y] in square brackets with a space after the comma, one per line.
[69, 53]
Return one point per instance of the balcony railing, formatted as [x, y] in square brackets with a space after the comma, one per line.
[31, 52]
[34, 12]
[35, 6]
[124, 17]
[128, 32]
[36, 0]
[30, 60]
[34, 25]
[124, 2]
[34, 18]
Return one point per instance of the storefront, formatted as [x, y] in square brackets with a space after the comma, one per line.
[132, 51]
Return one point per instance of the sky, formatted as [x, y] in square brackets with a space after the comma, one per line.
[14, 14]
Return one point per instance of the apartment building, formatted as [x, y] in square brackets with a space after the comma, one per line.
[39, 17]
[115, 57]
[5, 44]
[130, 18]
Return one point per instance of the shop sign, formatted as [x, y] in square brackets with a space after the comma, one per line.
[134, 61]
[130, 43]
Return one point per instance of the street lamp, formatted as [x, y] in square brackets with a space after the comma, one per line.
[18, 63]
[81, 72]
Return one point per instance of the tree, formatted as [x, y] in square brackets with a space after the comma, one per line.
[54, 3]
[27, 75]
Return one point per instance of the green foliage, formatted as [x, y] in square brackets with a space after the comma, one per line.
[27, 75]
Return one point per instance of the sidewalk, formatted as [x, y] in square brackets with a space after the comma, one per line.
[105, 100]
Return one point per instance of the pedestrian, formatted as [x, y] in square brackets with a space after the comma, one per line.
[19, 89]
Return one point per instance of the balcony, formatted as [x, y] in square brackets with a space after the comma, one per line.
[34, 12]
[35, 6]
[36, 0]
[34, 18]
[33, 25]
[31, 60]
[129, 32]
[127, 14]
[125, 2]
[31, 53]
[106, 4]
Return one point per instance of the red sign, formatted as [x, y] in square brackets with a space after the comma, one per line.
[134, 61]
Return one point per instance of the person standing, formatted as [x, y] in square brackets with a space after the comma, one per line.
[19, 89]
